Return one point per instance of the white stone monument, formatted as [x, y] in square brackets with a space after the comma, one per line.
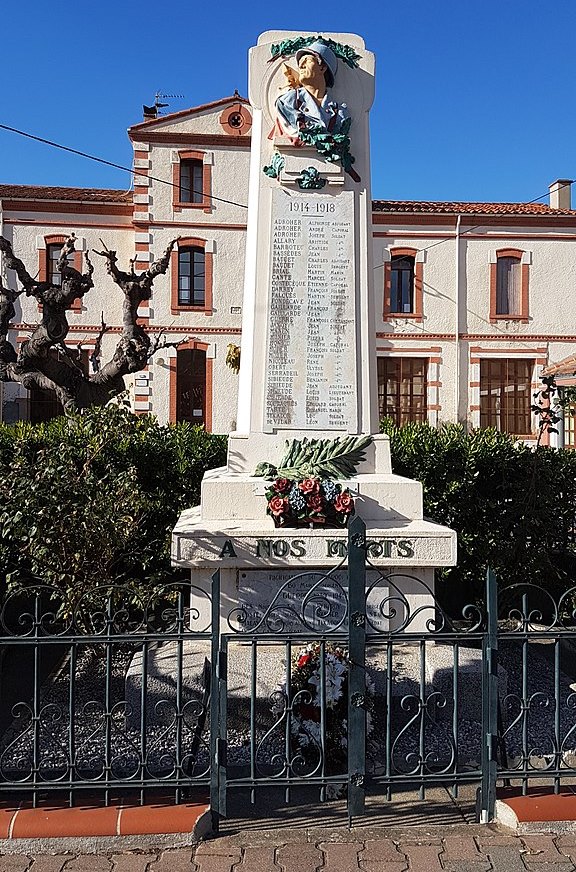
[308, 364]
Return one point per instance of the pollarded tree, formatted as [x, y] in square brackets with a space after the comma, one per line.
[36, 365]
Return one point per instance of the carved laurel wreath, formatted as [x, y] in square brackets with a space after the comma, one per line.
[288, 47]
[325, 458]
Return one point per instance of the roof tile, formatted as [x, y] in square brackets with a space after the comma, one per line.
[82, 195]
[456, 208]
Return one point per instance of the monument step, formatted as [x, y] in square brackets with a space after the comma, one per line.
[379, 497]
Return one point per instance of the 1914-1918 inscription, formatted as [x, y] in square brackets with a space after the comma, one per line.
[311, 360]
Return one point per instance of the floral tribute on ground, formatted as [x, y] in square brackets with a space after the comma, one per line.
[307, 501]
[308, 663]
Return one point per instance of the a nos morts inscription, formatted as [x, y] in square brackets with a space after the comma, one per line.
[311, 360]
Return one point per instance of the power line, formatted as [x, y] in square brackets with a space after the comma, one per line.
[136, 172]
[110, 163]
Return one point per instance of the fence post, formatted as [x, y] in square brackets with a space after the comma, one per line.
[357, 674]
[215, 805]
[490, 702]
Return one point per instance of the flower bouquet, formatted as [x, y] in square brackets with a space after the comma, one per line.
[307, 700]
[309, 501]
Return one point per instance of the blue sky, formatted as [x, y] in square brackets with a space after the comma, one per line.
[475, 98]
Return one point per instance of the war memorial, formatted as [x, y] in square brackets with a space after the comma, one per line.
[307, 451]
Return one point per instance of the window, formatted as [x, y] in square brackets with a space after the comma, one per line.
[191, 277]
[505, 395]
[191, 181]
[191, 385]
[402, 388]
[403, 284]
[53, 252]
[191, 270]
[570, 427]
[509, 285]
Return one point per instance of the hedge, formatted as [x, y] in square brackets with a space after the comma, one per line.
[91, 498]
[512, 506]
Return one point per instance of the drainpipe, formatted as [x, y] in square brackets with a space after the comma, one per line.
[457, 320]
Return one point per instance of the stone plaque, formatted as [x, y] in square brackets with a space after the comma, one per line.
[282, 601]
[310, 380]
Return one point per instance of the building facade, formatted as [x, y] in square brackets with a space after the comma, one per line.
[473, 300]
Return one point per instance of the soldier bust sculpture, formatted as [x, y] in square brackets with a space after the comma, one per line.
[308, 104]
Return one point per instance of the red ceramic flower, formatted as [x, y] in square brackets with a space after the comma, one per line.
[315, 503]
[303, 660]
[309, 485]
[282, 484]
[344, 502]
[277, 505]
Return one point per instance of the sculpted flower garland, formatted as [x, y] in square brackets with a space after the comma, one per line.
[299, 502]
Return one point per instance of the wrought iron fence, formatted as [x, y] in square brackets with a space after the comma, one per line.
[86, 708]
[351, 680]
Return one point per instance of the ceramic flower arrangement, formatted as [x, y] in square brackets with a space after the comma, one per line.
[309, 501]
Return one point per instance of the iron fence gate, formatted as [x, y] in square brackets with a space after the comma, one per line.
[352, 681]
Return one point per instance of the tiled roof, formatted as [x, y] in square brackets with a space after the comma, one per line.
[563, 367]
[430, 207]
[82, 195]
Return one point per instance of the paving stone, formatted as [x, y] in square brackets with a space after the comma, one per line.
[461, 854]
[14, 863]
[49, 863]
[218, 863]
[497, 840]
[506, 858]
[299, 858]
[381, 851]
[542, 849]
[422, 858]
[341, 856]
[547, 867]
[131, 862]
[88, 863]
[179, 860]
[566, 842]
[255, 860]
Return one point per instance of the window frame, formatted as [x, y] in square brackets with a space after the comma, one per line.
[417, 285]
[523, 257]
[507, 385]
[192, 345]
[176, 306]
[49, 242]
[401, 365]
[205, 203]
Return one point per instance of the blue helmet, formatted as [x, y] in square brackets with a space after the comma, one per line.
[325, 53]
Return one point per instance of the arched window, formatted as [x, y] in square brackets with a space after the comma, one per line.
[403, 284]
[191, 181]
[191, 267]
[509, 285]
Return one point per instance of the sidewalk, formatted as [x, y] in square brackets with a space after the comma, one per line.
[461, 849]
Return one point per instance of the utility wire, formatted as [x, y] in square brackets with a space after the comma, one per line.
[136, 172]
[110, 163]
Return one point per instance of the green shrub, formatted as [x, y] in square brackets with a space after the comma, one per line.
[513, 507]
[90, 499]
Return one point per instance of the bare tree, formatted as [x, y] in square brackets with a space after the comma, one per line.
[35, 364]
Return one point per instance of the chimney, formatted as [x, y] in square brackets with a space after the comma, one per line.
[560, 194]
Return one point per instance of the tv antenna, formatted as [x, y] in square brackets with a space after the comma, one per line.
[154, 111]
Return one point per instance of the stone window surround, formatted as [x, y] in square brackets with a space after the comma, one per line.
[209, 247]
[525, 258]
[207, 158]
[42, 243]
[419, 258]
